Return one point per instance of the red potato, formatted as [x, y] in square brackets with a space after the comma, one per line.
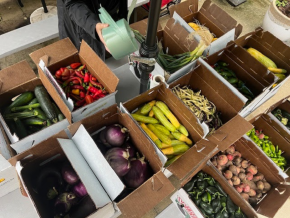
[246, 188]
[230, 157]
[230, 150]
[252, 193]
[230, 182]
[222, 160]
[267, 186]
[250, 183]
[228, 174]
[237, 160]
[237, 154]
[249, 176]
[242, 176]
[245, 164]
[260, 185]
[258, 177]
[252, 169]
[233, 169]
[236, 180]
[239, 189]
[229, 163]
[242, 170]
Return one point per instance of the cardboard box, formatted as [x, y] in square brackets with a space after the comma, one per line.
[268, 45]
[225, 100]
[54, 151]
[279, 192]
[187, 207]
[221, 24]
[153, 191]
[63, 53]
[198, 153]
[256, 77]
[12, 203]
[15, 83]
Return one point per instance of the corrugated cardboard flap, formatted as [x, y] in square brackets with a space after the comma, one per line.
[184, 8]
[147, 196]
[21, 72]
[275, 199]
[56, 51]
[230, 132]
[193, 158]
[180, 35]
[106, 76]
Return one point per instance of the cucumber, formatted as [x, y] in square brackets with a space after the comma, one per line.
[40, 114]
[164, 138]
[163, 129]
[147, 107]
[45, 103]
[161, 117]
[144, 119]
[20, 128]
[34, 121]
[22, 99]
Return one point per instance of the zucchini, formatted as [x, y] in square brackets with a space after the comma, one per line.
[183, 130]
[22, 99]
[40, 114]
[48, 122]
[164, 138]
[144, 119]
[176, 150]
[33, 101]
[162, 129]
[181, 137]
[60, 116]
[34, 121]
[151, 135]
[165, 110]
[20, 115]
[22, 108]
[147, 107]
[21, 129]
[160, 116]
[176, 142]
[45, 103]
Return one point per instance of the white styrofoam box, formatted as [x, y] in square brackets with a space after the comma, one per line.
[216, 45]
[84, 111]
[281, 173]
[33, 139]
[185, 205]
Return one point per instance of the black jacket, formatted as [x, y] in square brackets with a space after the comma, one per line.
[77, 20]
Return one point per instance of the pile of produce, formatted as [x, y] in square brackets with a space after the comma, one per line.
[241, 174]
[164, 129]
[268, 147]
[223, 69]
[210, 198]
[31, 112]
[283, 116]
[61, 190]
[267, 62]
[202, 31]
[79, 84]
[123, 156]
[172, 63]
[203, 109]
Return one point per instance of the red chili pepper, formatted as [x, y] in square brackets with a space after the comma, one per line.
[72, 79]
[94, 78]
[64, 78]
[79, 74]
[80, 103]
[82, 94]
[74, 82]
[96, 94]
[93, 89]
[58, 74]
[78, 87]
[87, 77]
[89, 99]
[98, 85]
[81, 67]
[75, 97]
[75, 65]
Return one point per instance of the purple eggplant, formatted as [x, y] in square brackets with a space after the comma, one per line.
[118, 160]
[69, 174]
[116, 135]
[64, 202]
[83, 209]
[130, 148]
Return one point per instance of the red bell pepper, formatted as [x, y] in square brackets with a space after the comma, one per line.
[89, 99]
[75, 65]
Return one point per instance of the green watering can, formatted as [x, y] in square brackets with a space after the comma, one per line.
[118, 37]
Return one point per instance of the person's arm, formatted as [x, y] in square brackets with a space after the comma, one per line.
[80, 14]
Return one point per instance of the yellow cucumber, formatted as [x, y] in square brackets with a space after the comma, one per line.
[144, 119]
[160, 116]
[162, 129]
[171, 136]
[183, 130]
[164, 138]
[176, 142]
[163, 145]
[267, 62]
[163, 107]
[277, 70]
[147, 107]
[171, 160]
[151, 135]
[138, 111]
[176, 150]
[181, 137]
[151, 113]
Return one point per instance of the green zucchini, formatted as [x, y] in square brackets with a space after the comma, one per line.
[48, 122]
[24, 107]
[60, 116]
[40, 114]
[33, 101]
[20, 115]
[45, 103]
[21, 129]
[22, 99]
[34, 121]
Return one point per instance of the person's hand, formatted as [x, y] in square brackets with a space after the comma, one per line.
[99, 27]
